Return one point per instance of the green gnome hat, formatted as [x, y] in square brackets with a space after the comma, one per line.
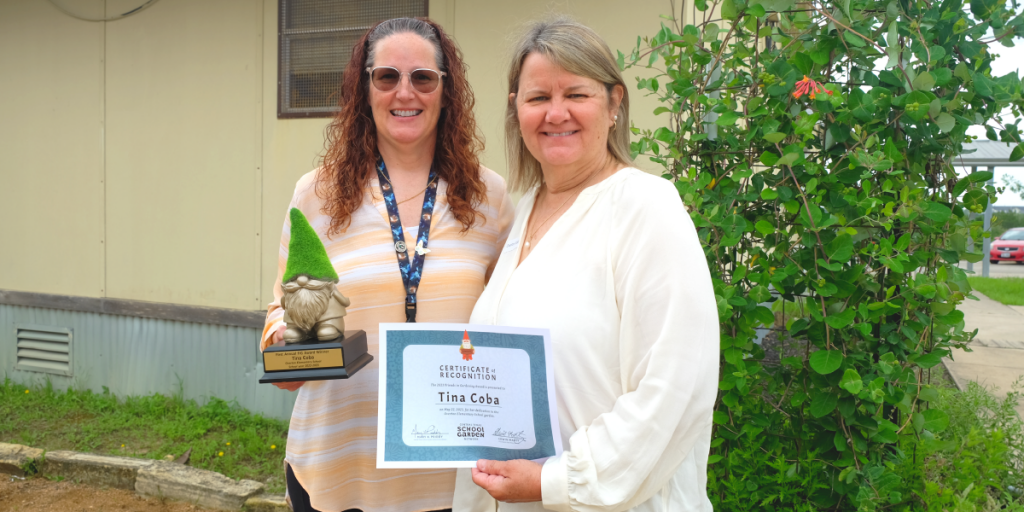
[306, 253]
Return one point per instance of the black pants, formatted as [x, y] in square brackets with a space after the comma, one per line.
[300, 498]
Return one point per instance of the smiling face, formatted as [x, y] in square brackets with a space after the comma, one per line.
[564, 118]
[405, 118]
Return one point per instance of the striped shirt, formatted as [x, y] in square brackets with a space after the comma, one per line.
[333, 430]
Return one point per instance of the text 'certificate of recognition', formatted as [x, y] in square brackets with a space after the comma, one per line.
[451, 394]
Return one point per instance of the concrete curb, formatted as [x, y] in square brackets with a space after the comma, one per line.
[153, 478]
[15, 457]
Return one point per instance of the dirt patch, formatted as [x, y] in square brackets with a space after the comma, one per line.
[43, 495]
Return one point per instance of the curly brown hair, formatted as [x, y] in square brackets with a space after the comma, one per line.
[351, 138]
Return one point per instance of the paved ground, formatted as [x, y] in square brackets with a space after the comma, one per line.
[997, 359]
[999, 270]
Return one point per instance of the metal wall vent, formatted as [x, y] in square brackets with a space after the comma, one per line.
[43, 349]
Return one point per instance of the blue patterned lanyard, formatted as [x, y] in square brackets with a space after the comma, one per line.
[411, 273]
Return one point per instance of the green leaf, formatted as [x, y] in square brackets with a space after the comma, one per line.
[1017, 153]
[937, 212]
[760, 294]
[893, 265]
[789, 159]
[729, 10]
[929, 394]
[935, 420]
[774, 137]
[840, 320]
[769, 159]
[756, 11]
[982, 9]
[962, 72]
[983, 85]
[942, 75]
[945, 122]
[764, 227]
[839, 440]
[851, 381]
[840, 249]
[924, 81]
[853, 39]
[823, 403]
[976, 200]
[826, 361]
[734, 226]
[925, 290]
[664, 135]
[892, 49]
[928, 360]
[918, 421]
[727, 119]
[769, 194]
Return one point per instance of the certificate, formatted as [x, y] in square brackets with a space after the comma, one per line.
[451, 394]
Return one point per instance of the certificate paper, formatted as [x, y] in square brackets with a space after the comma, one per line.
[451, 394]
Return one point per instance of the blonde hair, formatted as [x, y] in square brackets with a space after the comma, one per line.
[580, 51]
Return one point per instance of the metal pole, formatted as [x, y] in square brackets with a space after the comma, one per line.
[970, 217]
[987, 244]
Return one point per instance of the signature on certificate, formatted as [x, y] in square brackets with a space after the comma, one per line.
[510, 437]
[428, 431]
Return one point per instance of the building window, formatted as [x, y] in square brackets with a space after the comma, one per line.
[315, 39]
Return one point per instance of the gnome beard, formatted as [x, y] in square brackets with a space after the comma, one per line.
[307, 300]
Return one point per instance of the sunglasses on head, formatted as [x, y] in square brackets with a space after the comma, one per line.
[386, 78]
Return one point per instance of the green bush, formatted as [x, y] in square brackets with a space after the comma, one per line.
[812, 144]
[975, 463]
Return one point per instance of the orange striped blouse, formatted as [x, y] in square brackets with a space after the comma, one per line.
[332, 436]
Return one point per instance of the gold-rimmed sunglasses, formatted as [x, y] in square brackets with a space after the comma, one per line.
[386, 78]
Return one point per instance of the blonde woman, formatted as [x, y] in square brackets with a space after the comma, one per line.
[606, 257]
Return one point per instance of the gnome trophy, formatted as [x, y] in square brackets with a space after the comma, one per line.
[316, 345]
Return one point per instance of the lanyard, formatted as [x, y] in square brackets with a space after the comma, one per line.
[411, 271]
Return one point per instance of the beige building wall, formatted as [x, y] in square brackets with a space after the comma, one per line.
[51, 151]
[183, 156]
[143, 159]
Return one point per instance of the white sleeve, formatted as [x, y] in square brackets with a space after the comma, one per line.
[668, 350]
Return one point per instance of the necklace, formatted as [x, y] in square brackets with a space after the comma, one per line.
[537, 227]
[417, 194]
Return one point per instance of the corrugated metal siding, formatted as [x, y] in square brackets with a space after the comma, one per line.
[140, 356]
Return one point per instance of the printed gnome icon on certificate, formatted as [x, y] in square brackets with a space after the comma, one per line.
[466, 349]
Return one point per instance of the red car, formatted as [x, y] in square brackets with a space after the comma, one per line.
[1009, 247]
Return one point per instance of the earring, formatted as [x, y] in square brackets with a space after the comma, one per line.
[615, 121]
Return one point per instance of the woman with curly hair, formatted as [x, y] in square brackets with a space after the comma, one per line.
[413, 225]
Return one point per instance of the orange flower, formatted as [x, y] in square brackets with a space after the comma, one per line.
[810, 88]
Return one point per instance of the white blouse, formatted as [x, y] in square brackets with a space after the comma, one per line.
[621, 281]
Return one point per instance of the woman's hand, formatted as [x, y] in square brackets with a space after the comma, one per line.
[515, 481]
[287, 386]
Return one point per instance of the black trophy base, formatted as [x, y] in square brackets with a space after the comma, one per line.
[339, 358]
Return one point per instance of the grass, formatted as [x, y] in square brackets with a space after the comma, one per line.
[223, 436]
[1008, 290]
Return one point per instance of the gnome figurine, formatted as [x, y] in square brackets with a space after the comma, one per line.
[311, 300]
